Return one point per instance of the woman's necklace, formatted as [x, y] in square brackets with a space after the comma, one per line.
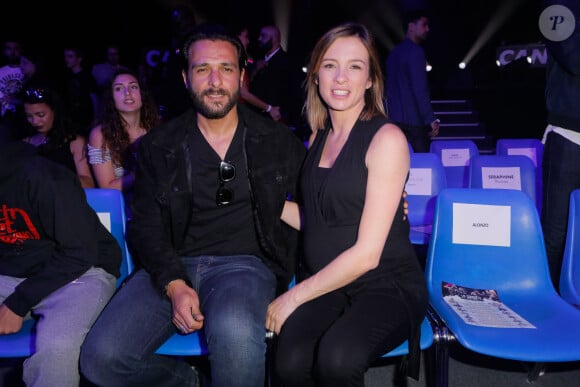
[38, 140]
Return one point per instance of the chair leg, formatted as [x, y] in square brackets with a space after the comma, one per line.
[442, 339]
[270, 380]
[537, 370]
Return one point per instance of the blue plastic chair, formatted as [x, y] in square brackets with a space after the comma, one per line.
[504, 172]
[530, 147]
[110, 207]
[492, 240]
[426, 179]
[455, 156]
[570, 275]
[193, 344]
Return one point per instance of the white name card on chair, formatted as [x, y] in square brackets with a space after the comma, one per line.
[105, 218]
[455, 157]
[501, 178]
[481, 224]
[419, 182]
[530, 152]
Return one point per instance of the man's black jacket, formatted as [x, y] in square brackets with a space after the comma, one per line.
[163, 194]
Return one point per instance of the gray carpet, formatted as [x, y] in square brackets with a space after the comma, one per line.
[465, 369]
[473, 370]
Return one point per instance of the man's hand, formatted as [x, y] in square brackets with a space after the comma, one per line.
[186, 314]
[434, 128]
[10, 322]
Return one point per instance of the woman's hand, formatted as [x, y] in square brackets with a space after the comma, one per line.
[279, 310]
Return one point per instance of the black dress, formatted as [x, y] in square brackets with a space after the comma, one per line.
[333, 202]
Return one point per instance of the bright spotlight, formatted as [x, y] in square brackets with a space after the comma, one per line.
[505, 10]
[428, 67]
[497, 63]
[304, 69]
[462, 65]
[529, 59]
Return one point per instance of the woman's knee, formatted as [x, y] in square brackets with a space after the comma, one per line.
[338, 365]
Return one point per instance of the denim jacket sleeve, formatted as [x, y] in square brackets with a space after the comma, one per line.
[150, 230]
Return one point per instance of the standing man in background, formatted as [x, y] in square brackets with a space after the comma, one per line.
[15, 71]
[80, 91]
[276, 79]
[561, 160]
[408, 100]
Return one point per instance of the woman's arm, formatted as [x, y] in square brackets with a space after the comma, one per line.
[388, 164]
[79, 152]
[103, 169]
[291, 214]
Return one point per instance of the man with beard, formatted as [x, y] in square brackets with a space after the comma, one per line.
[276, 78]
[210, 189]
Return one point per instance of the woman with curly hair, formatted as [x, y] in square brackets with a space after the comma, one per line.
[54, 135]
[128, 112]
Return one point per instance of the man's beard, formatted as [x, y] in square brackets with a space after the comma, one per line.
[265, 47]
[214, 110]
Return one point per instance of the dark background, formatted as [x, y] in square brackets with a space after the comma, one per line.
[510, 99]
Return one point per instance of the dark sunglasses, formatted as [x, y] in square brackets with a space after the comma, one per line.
[227, 172]
[35, 94]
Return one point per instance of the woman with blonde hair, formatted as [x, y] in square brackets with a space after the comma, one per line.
[363, 291]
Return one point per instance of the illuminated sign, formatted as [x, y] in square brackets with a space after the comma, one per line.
[535, 54]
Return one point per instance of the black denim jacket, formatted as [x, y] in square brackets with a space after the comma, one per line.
[163, 189]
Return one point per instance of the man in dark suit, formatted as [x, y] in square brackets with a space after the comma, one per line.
[276, 78]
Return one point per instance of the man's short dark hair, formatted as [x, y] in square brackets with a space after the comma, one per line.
[412, 16]
[211, 31]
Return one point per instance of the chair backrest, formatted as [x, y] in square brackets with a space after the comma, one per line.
[455, 156]
[570, 275]
[504, 172]
[530, 147]
[426, 179]
[110, 207]
[487, 239]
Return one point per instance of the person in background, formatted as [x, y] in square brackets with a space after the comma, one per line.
[561, 160]
[129, 112]
[15, 71]
[206, 230]
[246, 96]
[407, 98]
[103, 72]
[54, 135]
[363, 291]
[58, 263]
[276, 79]
[165, 79]
[80, 91]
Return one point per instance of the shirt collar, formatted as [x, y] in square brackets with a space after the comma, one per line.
[267, 57]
